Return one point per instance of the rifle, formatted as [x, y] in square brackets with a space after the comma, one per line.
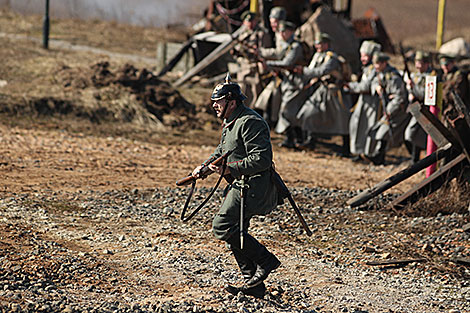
[405, 63]
[384, 102]
[285, 193]
[205, 170]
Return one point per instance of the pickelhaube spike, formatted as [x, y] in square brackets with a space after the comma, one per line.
[228, 79]
[227, 89]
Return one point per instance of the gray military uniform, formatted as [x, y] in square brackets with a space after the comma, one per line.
[414, 132]
[396, 96]
[247, 133]
[291, 85]
[248, 75]
[364, 115]
[326, 111]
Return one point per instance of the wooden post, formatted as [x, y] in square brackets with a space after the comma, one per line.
[431, 146]
[45, 27]
[440, 23]
[254, 6]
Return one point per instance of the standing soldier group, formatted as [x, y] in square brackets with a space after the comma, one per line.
[306, 98]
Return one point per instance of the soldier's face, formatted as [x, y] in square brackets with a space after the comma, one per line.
[380, 66]
[249, 24]
[421, 66]
[224, 108]
[447, 66]
[365, 58]
[286, 34]
[274, 22]
[321, 47]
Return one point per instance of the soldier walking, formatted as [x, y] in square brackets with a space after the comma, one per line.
[250, 165]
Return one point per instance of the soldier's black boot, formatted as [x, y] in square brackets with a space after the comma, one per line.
[379, 158]
[256, 292]
[309, 143]
[289, 139]
[248, 269]
[299, 135]
[415, 156]
[345, 151]
[265, 261]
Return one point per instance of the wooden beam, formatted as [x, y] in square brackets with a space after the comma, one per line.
[211, 57]
[445, 174]
[395, 262]
[431, 124]
[388, 183]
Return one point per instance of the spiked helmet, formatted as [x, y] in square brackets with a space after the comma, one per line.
[228, 89]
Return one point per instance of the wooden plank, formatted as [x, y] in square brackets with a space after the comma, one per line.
[394, 262]
[388, 183]
[432, 183]
[171, 64]
[431, 124]
[211, 57]
[461, 261]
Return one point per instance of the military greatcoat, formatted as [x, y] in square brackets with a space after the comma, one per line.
[364, 115]
[247, 133]
[291, 85]
[414, 133]
[327, 109]
[248, 75]
[397, 101]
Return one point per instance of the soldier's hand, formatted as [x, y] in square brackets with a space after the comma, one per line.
[298, 69]
[379, 90]
[218, 169]
[197, 172]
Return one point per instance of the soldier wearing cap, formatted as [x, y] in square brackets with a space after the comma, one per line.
[326, 111]
[247, 134]
[246, 52]
[364, 113]
[415, 136]
[276, 16]
[282, 65]
[453, 78]
[390, 91]
[270, 103]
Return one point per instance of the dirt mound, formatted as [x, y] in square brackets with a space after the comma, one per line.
[127, 94]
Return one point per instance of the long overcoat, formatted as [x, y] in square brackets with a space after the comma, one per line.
[326, 111]
[396, 117]
[364, 115]
[247, 133]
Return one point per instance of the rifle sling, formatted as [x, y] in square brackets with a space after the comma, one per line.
[203, 203]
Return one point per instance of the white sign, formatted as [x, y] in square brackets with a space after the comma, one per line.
[430, 91]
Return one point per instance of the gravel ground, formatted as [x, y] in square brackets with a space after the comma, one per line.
[127, 251]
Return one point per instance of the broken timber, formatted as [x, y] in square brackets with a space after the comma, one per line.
[395, 262]
[211, 57]
[452, 146]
